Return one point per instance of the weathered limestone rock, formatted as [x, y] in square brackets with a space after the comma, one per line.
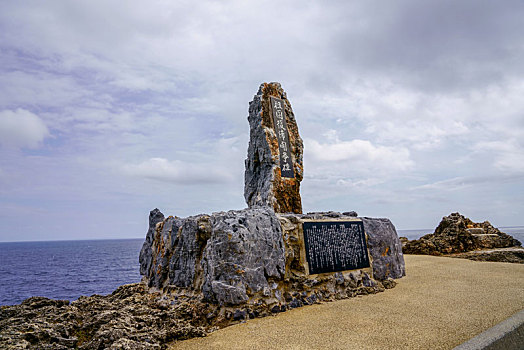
[132, 317]
[155, 216]
[385, 248]
[251, 263]
[245, 252]
[264, 183]
[224, 255]
[458, 234]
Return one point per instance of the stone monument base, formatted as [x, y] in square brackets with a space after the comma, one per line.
[251, 263]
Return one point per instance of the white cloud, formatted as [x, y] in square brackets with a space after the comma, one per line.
[164, 87]
[360, 153]
[21, 129]
[178, 172]
[508, 154]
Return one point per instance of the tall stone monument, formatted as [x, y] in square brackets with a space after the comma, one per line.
[269, 257]
[274, 167]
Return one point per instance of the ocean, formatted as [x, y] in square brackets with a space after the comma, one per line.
[66, 269]
[70, 269]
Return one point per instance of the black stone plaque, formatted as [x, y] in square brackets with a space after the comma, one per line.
[333, 246]
[279, 120]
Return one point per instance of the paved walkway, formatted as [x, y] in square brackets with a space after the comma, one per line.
[441, 303]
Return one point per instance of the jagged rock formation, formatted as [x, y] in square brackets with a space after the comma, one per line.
[223, 255]
[248, 262]
[458, 234]
[132, 317]
[263, 183]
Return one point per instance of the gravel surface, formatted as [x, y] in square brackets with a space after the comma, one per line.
[441, 303]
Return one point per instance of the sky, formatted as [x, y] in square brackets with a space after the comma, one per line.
[409, 110]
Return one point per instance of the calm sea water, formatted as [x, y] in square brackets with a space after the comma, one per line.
[69, 269]
[66, 269]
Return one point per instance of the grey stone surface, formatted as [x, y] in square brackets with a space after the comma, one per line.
[245, 251]
[263, 185]
[260, 165]
[385, 248]
[253, 260]
[224, 255]
[155, 216]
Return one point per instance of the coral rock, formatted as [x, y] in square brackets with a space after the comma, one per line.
[458, 234]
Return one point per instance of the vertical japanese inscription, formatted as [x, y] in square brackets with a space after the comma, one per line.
[333, 246]
[279, 120]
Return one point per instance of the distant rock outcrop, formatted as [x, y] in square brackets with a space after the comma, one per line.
[458, 234]
[274, 145]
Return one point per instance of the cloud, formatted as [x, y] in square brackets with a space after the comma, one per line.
[360, 153]
[432, 46]
[21, 129]
[178, 172]
[160, 91]
[508, 154]
[464, 182]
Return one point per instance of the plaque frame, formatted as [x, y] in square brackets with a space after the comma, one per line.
[303, 256]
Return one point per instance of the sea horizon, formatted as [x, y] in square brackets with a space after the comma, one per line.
[422, 231]
[68, 269]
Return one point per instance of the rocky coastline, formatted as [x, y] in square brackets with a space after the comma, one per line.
[174, 301]
[205, 272]
[136, 317]
[132, 317]
[459, 237]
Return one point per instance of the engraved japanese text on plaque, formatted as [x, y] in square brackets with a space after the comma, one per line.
[279, 120]
[333, 246]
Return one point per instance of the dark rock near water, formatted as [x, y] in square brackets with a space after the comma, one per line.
[458, 234]
[510, 255]
[155, 216]
[132, 317]
[263, 183]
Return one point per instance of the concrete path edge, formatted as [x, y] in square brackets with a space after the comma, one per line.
[507, 335]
